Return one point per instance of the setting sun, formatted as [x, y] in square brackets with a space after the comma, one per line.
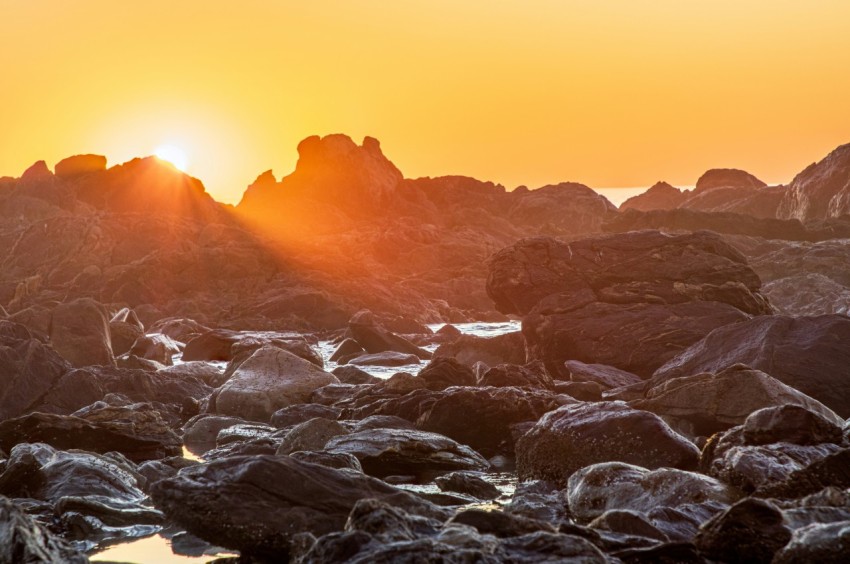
[173, 155]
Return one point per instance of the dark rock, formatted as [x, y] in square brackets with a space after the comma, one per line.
[532, 375]
[370, 335]
[628, 522]
[346, 348]
[832, 470]
[820, 191]
[482, 417]
[79, 332]
[208, 373]
[23, 539]
[548, 547]
[792, 423]
[752, 530]
[389, 358]
[333, 393]
[725, 177]
[256, 504]
[329, 459]
[200, 432]
[155, 346]
[467, 483]
[301, 412]
[500, 524]
[704, 404]
[79, 164]
[575, 436]
[443, 372]
[582, 391]
[809, 354]
[598, 488]
[311, 435]
[508, 348]
[606, 376]
[179, 329]
[667, 553]
[386, 452]
[383, 422]
[155, 470]
[353, 375]
[822, 543]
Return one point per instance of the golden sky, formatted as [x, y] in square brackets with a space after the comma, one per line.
[604, 92]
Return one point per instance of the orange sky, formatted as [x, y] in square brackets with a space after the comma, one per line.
[608, 93]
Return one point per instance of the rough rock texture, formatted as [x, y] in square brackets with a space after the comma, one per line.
[444, 372]
[629, 300]
[311, 435]
[810, 354]
[79, 164]
[23, 539]
[256, 504]
[605, 376]
[704, 404]
[508, 348]
[80, 333]
[574, 436]
[752, 530]
[597, 488]
[270, 379]
[820, 191]
[468, 483]
[827, 543]
[660, 196]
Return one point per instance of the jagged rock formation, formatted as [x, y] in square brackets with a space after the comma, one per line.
[822, 190]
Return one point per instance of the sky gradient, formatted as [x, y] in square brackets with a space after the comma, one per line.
[608, 93]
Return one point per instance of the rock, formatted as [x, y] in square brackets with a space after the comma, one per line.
[333, 393]
[532, 375]
[79, 332]
[467, 483]
[329, 459]
[660, 196]
[820, 191]
[751, 530]
[808, 294]
[482, 417]
[832, 470]
[443, 372]
[133, 362]
[23, 539]
[598, 488]
[500, 524]
[155, 470]
[346, 348]
[200, 432]
[628, 522]
[822, 543]
[606, 376]
[256, 504]
[704, 404]
[270, 379]
[79, 164]
[28, 370]
[574, 436]
[727, 177]
[582, 391]
[311, 435]
[388, 358]
[137, 433]
[809, 354]
[383, 422]
[301, 412]
[353, 375]
[124, 329]
[208, 373]
[508, 348]
[386, 452]
[155, 347]
[792, 423]
[179, 329]
[370, 335]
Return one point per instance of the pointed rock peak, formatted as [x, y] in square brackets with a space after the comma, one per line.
[265, 179]
[662, 186]
[80, 164]
[37, 172]
[727, 178]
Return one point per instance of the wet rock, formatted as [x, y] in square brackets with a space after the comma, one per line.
[539, 500]
[208, 373]
[347, 347]
[385, 452]
[301, 412]
[374, 338]
[124, 329]
[792, 423]
[389, 358]
[482, 417]
[751, 530]
[200, 432]
[267, 381]
[575, 436]
[595, 489]
[178, 328]
[155, 470]
[822, 543]
[352, 375]
[329, 459]
[311, 435]
[606, 376]
[23, 539]
[821, 190]
[704, 404]
[810, 354]
[832, 470]
[548, 547]
[79, 332]
[828, 505]
[156, 347]
[382, 422]
[140, 434]
[257, 504]
[333, 393]
[628, 522]
[532, 375]
[467, 483]
[134, 362]
[508, 348]
[443, 372]
[500, 524]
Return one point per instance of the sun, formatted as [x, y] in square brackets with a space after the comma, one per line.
[174, 155]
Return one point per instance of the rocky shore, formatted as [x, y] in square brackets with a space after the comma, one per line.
[678, 392]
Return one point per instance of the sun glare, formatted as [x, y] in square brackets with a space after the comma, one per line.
[174, 155]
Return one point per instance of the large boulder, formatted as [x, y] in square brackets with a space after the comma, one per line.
[374, 338]
[810, 354]
[820, 191]
[23, 539]
[704, 404]
[79, 164]
[660, 196]
[270, 379]
[574, 436]
[508, 348]
[257, 504]
[752, 530]
[80, 332]
[630, 300]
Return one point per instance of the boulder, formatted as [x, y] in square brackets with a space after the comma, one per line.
[352, 375]
[598, 488]
[810, 354]
[208, 373]
[606, 376]
[156, 347]
[301, 412]
[79, 332]
[574, 436]
[820, 191]
[468, 483]
[257, 504]
[347, 347]
[752, 530]
[124, 329]
[444, 372]
[387, 452]
[508, 348]
[79, 164]
[270, 379]
[374, 338]
[311, 435]
[532, 375]
[388, 358]
[660, 196]
[23, 539]
[704, 404]
[825, 543]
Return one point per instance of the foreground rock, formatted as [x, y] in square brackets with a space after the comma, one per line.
[574, 436]
[22, 539]
[270, 379]
[257, 504]
[752, 530]
[810, 354]
[631, 300]
[825, 543]
[80, 333]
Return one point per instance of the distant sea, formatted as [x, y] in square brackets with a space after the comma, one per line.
[619, 195]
